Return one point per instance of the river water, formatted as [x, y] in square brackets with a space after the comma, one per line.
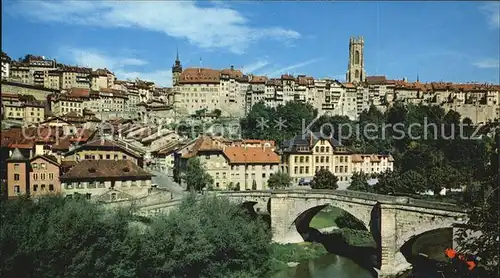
[327, 266]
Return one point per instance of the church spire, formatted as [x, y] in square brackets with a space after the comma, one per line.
[177, 56]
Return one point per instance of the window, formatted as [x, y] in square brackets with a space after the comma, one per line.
[317, 159]
[264, 175]
[301, 159]
[51, 187]
[51, 176]
[295, 169]
[108, 156]
[336, 169]
[35, 187]
[16, 166]
[113, 196]
[322, 149]
[317, 149]
[301, 170]
[42, 176]
[43, 187]
[16, 177]
[116, 157]
[296, 159]
[124, 157]
[100, 156]
[17, 189]
[34, 165]
[35, 176]
[307, 159]
[322, 159]
[43, 166]
[307, 169]
[87, 196]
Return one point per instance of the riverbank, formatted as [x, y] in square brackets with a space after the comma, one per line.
[283, 254]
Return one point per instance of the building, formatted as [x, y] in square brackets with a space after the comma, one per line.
[74, 77]
[304, 155]
[232, 163]
[44, 175]
[22, 108]
[101, 79]
[6, 61]
[106, 180]
[356, 67]
[17, 175]
[66, 103]
[103, 149]
[372, 163]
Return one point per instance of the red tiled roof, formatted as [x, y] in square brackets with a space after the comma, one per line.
[241, 155]
[199, 75]
[111, 169]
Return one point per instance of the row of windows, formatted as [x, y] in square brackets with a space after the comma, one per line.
[320, 159]
[42, 187]
[94, 157]
[264, 175]
[305, 169]
[43, 176]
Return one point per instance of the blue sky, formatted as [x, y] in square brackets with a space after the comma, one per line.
[449, 41]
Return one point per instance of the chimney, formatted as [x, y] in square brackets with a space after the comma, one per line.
[232, 67]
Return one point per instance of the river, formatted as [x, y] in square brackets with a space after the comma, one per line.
[326, 266]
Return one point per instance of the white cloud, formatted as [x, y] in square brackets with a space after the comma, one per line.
[291, 67]
[490, 63]
[207, 27]
[250, 68]
[96, 59]
[160, 77]
[492, 12]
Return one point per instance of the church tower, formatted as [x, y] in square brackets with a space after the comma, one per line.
[356, 67]
[176, 70]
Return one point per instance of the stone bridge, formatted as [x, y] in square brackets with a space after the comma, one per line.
[397, 219]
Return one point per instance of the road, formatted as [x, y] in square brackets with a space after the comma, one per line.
[163, 180]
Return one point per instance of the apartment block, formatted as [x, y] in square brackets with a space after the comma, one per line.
[304, 155]
[244, 164]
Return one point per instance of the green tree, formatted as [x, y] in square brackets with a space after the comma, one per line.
[483, 209]
[393, 182]
[197, 178]
[359, 182]
[324, 179]
[211, 237]
[346, 220]
[279, 180]
[217, 113]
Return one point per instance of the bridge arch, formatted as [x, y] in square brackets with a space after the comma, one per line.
[305, 209]
[303, 220]
[439, 239]
[422, 225]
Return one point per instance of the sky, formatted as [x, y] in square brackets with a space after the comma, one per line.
[436, 40]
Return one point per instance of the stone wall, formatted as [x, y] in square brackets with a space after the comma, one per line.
[39, 93]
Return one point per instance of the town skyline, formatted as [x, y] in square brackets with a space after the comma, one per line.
[290, 50]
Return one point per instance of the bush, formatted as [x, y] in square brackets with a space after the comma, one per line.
[59, 238]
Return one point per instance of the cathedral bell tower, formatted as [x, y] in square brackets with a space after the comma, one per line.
[176, 70]
[356, 67]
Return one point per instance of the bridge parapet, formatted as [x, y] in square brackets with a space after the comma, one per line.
[324, 193]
